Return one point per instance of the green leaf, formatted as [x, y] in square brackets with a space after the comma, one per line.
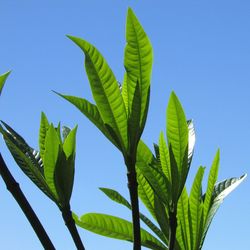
[213, 175]
[220, 192]
[51, 154]
[183, 228]
[91, 112]
[3, 78]
[195, 208]
[114, 227]
[161, 217]
[134, 130]
[157, 180]
[164, 157]
[64, 177]
[27, 159]
[105, 90]
[44, 126]
[117, 197]
[138, 62]
[65, 168]
[145, 192]
[144, 154]
[125, 95]
[177, 131]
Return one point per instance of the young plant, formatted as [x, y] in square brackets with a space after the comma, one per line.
[194, 214]
[120, 114]
[51, 168]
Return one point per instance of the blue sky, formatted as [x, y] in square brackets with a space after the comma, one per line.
[201, 51]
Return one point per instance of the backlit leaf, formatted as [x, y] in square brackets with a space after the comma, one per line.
[3, 78]
[138, 62]
[105, 90]
[114, 227]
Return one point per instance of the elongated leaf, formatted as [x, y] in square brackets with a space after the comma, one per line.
[105, 90]
[65, 168]
[177, 130]
[44, 126]
[138, 62]
[183, 228]
[3, 78]
[161, 217]
[213, 175]
[195, 207]
[145, 192]
[91, 112]
[51, 154]
[144, 154]
[134, 121]
[124, 90]
[27, 159]
[221, 191]
[114, 227]
[164, 157]
[157, 180]
[64, 177]
[117, 197]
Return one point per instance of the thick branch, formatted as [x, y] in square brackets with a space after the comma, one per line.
[133, 191]
[17, 193]
[70, 223]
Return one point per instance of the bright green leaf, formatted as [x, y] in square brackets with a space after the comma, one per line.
[157, 181]
[134, 130]
[69, 145]
[177, 130]
[91, 112]
[138, 62]
[145, 192]
[212, 178]
[51, 154]
[114, 227]
[195, 208]
[164, 157]
[44, 126]
[183, 228]
[117, 197]
[3, 78]
[105, 90]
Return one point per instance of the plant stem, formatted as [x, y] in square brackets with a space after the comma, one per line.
[17, 193]
[133, 191]
[70, 223]
[172, 229]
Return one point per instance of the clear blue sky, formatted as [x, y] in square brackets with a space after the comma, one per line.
[201, 51]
